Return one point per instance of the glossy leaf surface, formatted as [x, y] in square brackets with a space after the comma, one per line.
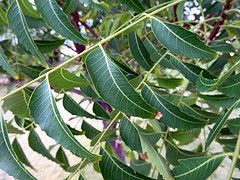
[112, 168]
[197, 168]
[180, 40]
[219, 124]
[56, 19]
[19, 25]
[139, 51]
[8, 160]
[172, 115]
[114, 88]
[50, 121]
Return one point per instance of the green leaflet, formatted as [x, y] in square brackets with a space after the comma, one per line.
[180, 40]
[3, 17]
[27, 9]
[108, 136]
[199, 77]
[13, 130]
[90, 92]
[222, 47]
[20, 153]
[113, 86]
[231, 86]
[75, 132]
[18, 24]
[112, 22]
[89, 130]
[180, 11]
[150, 135]
[75, 109]
[172, 115]
[35, 23]
[169, 83]
[173, 153]
[155, 52]
[177, 99]
[44, 111]
[126, 70]
[217, 66]
[184, 137]
[70, 6]
[8, 160]
[189, 71]
[112, 168]
[31, 71]
[48, 45]
[234, 125]
[36, 144]
[205, 84]
[142, 142]
[229, 145]
[93, 134]
[130, 133]
[25, 123]
[218, 100]
[134, 5]
[141, 166]
[156, 159]
[62, 158]
[219, 125]
[5, 64]
[57, 20]
[63, 80]
[197, 112]
[100, 112]
[139, 52]
[197, 168]
[18, 104]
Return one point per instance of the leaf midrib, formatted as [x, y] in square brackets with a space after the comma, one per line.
[113, 161]
[180, 37]
[56, 115]
[29, 9]
[139, 50]
[199, 166]
[50, 3]
[105, 57]
[9, 149]
[24, 27]
[178, 61]
[193, 122]
[212, 135]
[24, 23]
[229, 86]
